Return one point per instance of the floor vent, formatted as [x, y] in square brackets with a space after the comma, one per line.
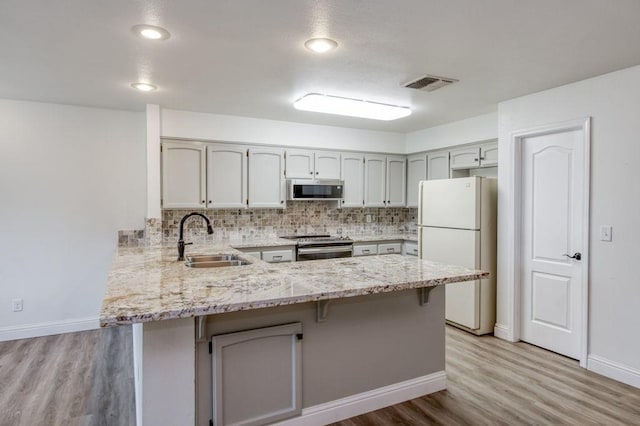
[429, 83]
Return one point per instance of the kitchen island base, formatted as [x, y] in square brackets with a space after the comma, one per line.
[373, 351]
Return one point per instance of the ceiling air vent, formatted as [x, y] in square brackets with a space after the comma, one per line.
[429, 83]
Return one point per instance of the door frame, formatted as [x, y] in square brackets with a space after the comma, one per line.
[514, 255]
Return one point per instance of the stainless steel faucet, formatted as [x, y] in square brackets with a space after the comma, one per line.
[181, 242]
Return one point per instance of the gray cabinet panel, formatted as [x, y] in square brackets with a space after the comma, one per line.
[257, 375]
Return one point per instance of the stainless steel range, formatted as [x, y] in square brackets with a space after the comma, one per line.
[313, 247]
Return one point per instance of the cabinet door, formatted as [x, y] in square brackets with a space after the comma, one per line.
[489, 154]
[183, 175]
[416, 171]
[374, 180]
[353, 177]
[257, 375]
[465, 158]
[438, 165]
[266, 178]
[299, 164]
[226, 176]
[396, 189]
[327, 165]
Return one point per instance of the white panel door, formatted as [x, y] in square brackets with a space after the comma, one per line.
[226, 176]
[299, 164]
[374, 180]
[353, 176]
[462, 248]
[553, 225]
[266, 178]
[438, 167]
[327, 165]
[416, 171]
[450, 203]
[396, 190]
[183, 175]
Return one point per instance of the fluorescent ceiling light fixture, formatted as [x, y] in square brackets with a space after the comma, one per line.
[150, 32]
[320, 45]
[144, 87]
[350, 107]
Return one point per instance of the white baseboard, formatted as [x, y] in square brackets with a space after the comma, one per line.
[364, 402]
[48, 328]
[502, 332]
[614, 370]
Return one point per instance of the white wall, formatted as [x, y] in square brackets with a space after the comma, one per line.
[474, 129]
[613, 102]
[70, 178]
[229, 128]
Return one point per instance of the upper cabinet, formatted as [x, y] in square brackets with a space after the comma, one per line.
[266, 178]
[438, 165]
[489, 154]
[375, 175]
[385, 182]
[226, 176]
[416, 171]
[353, 177]
[183, 175]
[396, 189]
[470, 157]
[307, 164]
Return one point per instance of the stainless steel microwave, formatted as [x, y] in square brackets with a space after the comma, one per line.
[315, 190]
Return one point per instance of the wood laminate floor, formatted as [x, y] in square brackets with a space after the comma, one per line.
[493, 382]
[86, 378]
[83, 378]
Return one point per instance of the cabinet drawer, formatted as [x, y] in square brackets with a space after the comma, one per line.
[365, 250]
[411, 249]
[389, 248]
[255, 254]
[275, 256]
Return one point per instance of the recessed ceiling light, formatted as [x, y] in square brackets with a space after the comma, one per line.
[320, 45]
[350, 107]
[150, 32]
[144, 87]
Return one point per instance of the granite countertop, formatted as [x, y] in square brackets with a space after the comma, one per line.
[148, 284]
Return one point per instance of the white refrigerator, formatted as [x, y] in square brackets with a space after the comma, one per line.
[457, 225]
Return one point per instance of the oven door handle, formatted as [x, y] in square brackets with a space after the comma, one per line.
[332, 249]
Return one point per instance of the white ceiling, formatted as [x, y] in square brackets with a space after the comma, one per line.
[246, 57]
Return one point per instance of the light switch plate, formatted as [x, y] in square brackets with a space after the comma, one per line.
[606, 233]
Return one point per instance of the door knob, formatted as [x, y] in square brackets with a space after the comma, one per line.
[576, 256]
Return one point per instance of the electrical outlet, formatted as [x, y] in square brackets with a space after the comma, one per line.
[17, 305]
[368, 218]
[606, 233]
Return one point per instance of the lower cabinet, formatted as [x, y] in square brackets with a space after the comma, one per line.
[377, 247]
[271, 255]
[257, 375]
[410, 248]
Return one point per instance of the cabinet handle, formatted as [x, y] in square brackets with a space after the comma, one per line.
[475, 159]
[281, 201]
[390, 249]
[209, 201]
[388, 201]
[202, 202]
[310, 173]
[482, 158]
[317, 172]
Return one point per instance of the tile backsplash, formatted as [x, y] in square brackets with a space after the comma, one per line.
[300, 217]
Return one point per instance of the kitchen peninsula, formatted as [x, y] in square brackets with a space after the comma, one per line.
[379, 340]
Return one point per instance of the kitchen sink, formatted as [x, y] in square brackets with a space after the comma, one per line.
[215, 261]
[211, 257]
